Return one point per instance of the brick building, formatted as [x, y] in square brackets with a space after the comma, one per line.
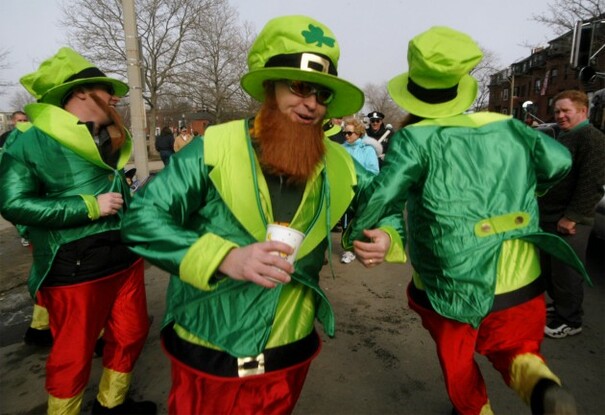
[546, 72]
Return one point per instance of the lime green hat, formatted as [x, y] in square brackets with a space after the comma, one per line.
[438, 83]
[59, 74]
[300, 48]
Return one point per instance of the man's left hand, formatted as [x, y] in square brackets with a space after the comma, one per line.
[374, 252]
[566, 226]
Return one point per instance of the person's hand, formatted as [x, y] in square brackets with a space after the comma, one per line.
[374, 252]
[566, 226]
[110, 203]
[258, 263]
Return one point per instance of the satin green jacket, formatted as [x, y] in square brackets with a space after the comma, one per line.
[213, 197]
[470, 184]
[50, 177]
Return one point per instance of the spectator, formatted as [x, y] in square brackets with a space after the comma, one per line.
[568, 210]
[181, 140]
[63, 179]
[469, 182]
[239, 324]
[354, 132]
[17, 117]
[164, 144]
[379, 131]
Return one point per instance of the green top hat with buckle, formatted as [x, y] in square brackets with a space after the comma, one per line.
[438, 83]
[303, 49]
[59, 74]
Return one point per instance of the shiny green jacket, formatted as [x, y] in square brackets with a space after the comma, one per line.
[470, 184]
[213, 197]
[49, 179]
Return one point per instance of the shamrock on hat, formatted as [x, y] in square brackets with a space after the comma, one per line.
[303, 49]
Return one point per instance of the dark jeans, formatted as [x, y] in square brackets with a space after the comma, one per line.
[563, 283]
[165, 156]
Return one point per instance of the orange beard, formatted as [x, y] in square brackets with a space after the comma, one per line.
[285, 147]
[116, 130]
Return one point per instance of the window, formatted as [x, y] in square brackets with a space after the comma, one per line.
[537, 86]
[554, 72]
[505, 94]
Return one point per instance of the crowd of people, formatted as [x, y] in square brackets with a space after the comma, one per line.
[239, 328]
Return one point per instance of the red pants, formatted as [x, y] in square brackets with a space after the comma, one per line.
[78, 313]
[196, 392]
[501, 337]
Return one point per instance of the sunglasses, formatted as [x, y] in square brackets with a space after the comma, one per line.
[348, 133]
[375, 120]
[105, 87]
[305, 89]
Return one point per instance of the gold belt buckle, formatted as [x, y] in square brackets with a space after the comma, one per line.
[248, 366]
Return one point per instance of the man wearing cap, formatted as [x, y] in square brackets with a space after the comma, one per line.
[64, 180]
[239, 325]
[379, 132]
[469, 182]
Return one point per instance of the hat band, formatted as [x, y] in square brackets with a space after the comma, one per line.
[432, 96]
[305, 61]
[91, 72]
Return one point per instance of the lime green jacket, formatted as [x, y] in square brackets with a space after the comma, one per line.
[51, 176]
[470, 184]
[213, 197]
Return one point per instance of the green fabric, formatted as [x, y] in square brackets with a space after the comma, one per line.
[72, 172]
[213, 195]
[445, 202]
[292, 35]
[50, 82]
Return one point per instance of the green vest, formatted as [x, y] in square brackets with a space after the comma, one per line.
[469, 184]
[237, 316]
[51, 175]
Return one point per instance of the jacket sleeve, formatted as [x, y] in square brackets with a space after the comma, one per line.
[22, 197]
[380, 203]
[160, 224]
[552, 161]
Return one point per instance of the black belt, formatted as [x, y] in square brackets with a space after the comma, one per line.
[501, 301]
[219, 363]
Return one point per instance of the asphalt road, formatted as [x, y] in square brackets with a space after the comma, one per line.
[381, 360]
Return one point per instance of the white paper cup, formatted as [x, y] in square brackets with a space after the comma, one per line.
[287, 235]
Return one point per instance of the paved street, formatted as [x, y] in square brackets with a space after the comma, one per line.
[381, 361]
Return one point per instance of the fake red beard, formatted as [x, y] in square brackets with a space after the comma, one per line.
[116, 129]
[285, 147]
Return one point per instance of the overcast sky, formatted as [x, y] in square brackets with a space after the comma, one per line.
[373, 35]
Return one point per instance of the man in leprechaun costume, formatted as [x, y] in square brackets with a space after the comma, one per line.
[63, 179]
[239, 325]
[470, 183]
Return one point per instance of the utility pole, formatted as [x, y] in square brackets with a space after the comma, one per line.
[137, 107]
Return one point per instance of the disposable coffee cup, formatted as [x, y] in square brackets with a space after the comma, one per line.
[287, 235]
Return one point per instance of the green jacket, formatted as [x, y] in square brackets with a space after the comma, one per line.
[470, 184]
[213, 197]
[51, 176]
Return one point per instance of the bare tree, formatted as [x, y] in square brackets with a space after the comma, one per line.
[4, 54]
[378, 99]
[165, 27]
[482, 73]
[562, 15]
[20, 99]
[217, 61]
